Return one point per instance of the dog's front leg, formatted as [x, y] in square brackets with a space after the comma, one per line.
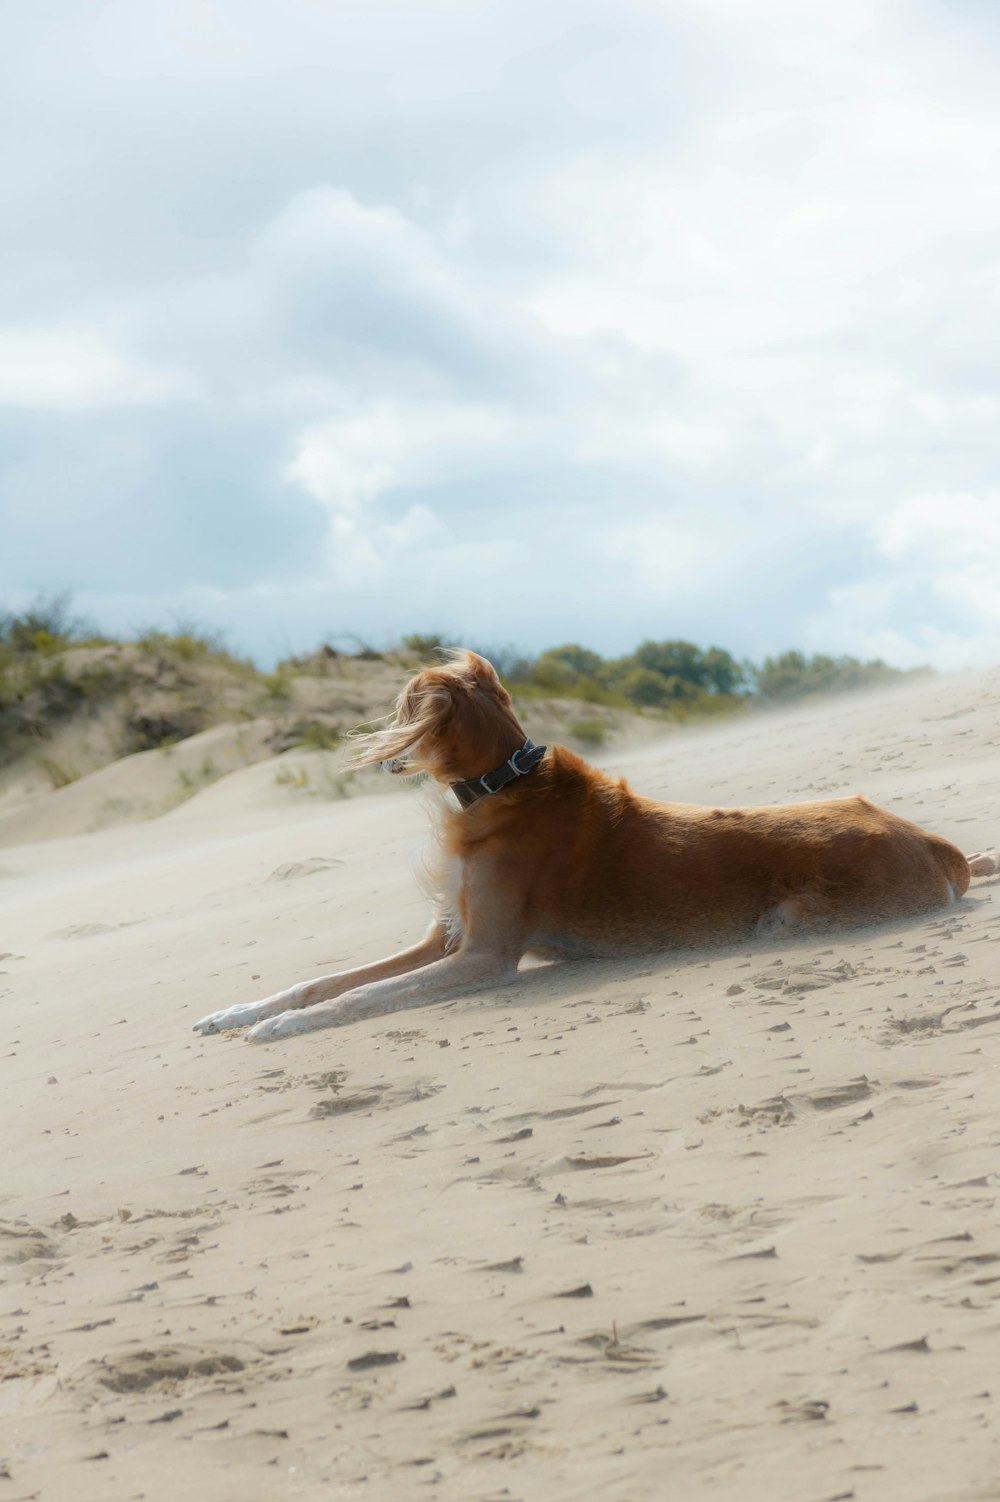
[455, 975]
[325, 987]
[491, 903]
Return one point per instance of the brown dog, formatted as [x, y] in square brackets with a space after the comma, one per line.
[543, 854]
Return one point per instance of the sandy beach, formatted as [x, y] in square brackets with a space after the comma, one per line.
[717, 1225]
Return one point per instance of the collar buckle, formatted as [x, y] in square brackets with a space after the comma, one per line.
[521, 751]
[524, 760]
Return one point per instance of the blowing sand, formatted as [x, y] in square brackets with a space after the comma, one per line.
[707, 1226]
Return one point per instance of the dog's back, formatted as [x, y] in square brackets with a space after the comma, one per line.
[603, 870]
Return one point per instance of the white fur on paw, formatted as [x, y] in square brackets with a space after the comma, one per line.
[240, 1015]
[775, 921]
[285, 1025]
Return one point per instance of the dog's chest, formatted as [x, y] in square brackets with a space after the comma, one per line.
[450, 874]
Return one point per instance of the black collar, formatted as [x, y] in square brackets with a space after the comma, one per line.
[524, 760]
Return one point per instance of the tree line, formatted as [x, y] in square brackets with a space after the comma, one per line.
[677, 675]
[674, 676]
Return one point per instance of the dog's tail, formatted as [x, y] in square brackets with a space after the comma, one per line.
[987, 863]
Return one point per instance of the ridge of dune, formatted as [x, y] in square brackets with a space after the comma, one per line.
[721, 1222]
[269, 760]
[136, 787]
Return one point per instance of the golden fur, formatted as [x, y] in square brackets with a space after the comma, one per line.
[567, 861]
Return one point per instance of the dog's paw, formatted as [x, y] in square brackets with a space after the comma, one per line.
[285, 1025]
[238, 1016]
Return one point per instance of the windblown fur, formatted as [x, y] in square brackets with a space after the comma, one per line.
[567, 861]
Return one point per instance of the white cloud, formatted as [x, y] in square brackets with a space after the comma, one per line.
[948, 527]
[68, 368]
[348, 462]
[703, 290]
[364, 551]
[951, 543]
[930, 591]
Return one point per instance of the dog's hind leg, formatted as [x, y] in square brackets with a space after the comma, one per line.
[805, 910]
[985, 864]
[325, 987]
[777, 921]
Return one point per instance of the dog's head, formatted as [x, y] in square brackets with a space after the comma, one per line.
[453, 721]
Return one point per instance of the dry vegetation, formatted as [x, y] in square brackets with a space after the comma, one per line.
[73, 702]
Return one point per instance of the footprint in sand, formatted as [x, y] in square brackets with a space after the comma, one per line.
[780, 1110]
[367, 1098]
[142, 1370]
[777, 1110]
[832, 1097]
[24, 1246]
[86, 930]
[797, 980]
[560, 1113]
[311, 867]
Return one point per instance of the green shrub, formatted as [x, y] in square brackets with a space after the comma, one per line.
[45, 627]
[646, 687]
[316, 736]
[294, 777]
[792, 675]
[590, 732]
[425, 644]
[278, 684]
[193, 644]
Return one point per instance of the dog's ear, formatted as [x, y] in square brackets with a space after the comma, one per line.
[422, 709]
[437, 701]
[486, 676]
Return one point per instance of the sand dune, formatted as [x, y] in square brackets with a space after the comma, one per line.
[137, 787]
[720, 1225]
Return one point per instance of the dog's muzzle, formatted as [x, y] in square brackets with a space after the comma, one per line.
[395, 765]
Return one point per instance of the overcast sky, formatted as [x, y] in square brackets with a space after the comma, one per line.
[533, 321]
